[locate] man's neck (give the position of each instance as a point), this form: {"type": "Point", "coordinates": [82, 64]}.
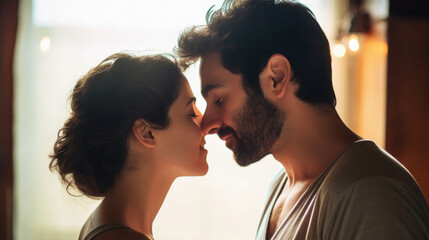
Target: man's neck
{"type": "Point", "coordinates": [312, 138]}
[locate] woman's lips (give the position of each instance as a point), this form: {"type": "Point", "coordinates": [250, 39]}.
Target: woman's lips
{"type": "Point", "coordinates": [202, 145]}
{"type": "Point", "coordinates": [203, 150]}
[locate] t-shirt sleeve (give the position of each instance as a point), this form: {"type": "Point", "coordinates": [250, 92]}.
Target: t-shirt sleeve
{"type": "Point", "coordinates": [377, 208]}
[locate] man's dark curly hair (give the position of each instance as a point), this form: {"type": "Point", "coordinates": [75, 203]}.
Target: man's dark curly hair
{"type": "Point", "coordinates": [248, 32]}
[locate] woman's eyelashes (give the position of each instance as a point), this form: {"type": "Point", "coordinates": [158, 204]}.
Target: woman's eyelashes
{"type": "Point", "coordinates": [194, 115]}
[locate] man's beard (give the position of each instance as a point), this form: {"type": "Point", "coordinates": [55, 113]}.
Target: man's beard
{"type": "Point", "coordinates": [258, 126]}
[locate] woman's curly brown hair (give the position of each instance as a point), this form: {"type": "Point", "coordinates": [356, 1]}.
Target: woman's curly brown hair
{"type": "Point", "coordinates": [91, 147]}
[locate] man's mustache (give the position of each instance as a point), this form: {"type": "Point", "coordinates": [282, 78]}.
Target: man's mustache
{"type": "Point", "coordinates": [225, 131]}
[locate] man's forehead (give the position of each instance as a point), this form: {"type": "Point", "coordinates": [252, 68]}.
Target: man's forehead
{"type": "Point", "coordinates": [210, 70]}
{"type": "Point", "coordinates": [209, 81]}
{"type": "Point", "coordinates": [210, 62]}
{"type": "Point", "coordinates": [215, 76]}
{"type": "Point", "coordinates": [206, 88]}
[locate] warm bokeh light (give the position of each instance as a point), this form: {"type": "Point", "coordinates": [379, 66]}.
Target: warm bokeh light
{"type": "Point", "coordinates": [384, 48]}
{"type": "Point", "coordinates": [339, 50]}
{"type": "Point", "coordinates": [353, 43]}
{"type": "Point", "coordinates": [45, 44]}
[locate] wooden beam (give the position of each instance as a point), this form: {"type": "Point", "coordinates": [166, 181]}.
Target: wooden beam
{"type": "Point", "coordinates": [8, 29]}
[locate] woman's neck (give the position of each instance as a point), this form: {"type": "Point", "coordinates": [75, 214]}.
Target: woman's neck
{"type": "Point", "coordinates": [136, 197]}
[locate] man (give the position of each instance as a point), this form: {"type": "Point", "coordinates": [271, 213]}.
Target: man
{"type": "Point", "coordinates": [266, 76]}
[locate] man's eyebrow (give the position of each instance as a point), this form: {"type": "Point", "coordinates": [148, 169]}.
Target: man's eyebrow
{"type": "Point", "coordinates": [207, 88]}
{"type": "Point", "coordinates": [193, 99]}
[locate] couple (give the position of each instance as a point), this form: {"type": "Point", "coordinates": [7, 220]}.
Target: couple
{"type": "Point", "coordinates": [266, 76]}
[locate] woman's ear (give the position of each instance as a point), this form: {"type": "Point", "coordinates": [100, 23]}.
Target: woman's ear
{"type": "Point", "coordinates": [275, 77]}
{"type": "Point", "coordinates": [143, 133]}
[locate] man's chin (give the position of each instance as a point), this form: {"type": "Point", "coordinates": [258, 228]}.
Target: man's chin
{"type": "Point", "coordinates": [244, 160]}
{"type": "Point", "coordinates": [230, 143]}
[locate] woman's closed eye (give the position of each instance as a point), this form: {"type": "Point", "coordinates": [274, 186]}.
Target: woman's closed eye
{"type": "Point", "coordinates": [194, 115]}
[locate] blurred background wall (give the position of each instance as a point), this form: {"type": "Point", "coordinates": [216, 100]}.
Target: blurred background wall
{"type": "Point", "coordinates": [380, 70]}
{"type": "Point", "coordinates": [407, 132]}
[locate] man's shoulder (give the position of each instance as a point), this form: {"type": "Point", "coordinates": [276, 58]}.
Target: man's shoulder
{"type": "Point", "coordinates": [367, 177]}
{"type": "Point", "coordinates": [367, 186]}
{"type": "Point", "coordinates": [364, 162]}
{"type": "Point", "coordinates": [369, 201]}
{"type": "Point", "coordinates": [375, 188]}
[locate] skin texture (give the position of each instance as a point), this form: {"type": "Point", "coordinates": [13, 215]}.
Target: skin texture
{"type": "Point", "coordinates": [249, 130]}
{"type": "Point", "coordinates": [305, 127]}
{"type": "Point", "coordinates": [155, 159]}
{"type": "Point", "coordinates": [180, 143]}
{"type": "Point", "coordinates": [259, 124]}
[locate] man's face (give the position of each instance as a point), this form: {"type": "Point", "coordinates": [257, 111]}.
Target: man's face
{"type": "Point", "coordinates": [250, 125]}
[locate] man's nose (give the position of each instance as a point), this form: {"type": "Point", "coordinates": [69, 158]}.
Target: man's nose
{"type": "Point", "coordinates": [211, 122]}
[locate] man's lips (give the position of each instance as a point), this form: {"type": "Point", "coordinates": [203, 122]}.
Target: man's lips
{"type": "Point", "coordinates": [225, 133]}
{"type": "Point", "coordinates": [226, 137]}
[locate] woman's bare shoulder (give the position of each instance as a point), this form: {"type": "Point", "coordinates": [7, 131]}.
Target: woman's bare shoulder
{"type": "Point", "coordinates": [120, 233]}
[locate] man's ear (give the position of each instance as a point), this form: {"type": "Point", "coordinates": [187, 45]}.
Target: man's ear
{"type": "Point", "coordinates": [143, 133]}
{"type": "Point", "coordinates": [275, 77]}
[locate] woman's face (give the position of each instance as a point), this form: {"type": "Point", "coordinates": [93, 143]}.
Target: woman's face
{"type": "Point", "coordinates": [181, 144]}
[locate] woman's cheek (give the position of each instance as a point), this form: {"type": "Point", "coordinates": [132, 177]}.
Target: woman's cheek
{"type": "Point", "coordinates": [183, 143]}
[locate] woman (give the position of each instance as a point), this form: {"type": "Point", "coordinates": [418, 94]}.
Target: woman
{"type": "Point", "coordinates": [134, 128]}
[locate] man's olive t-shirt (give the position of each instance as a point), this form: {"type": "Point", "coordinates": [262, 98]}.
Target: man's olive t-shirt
{"type": "Point", "coordinates": [364, 194]}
